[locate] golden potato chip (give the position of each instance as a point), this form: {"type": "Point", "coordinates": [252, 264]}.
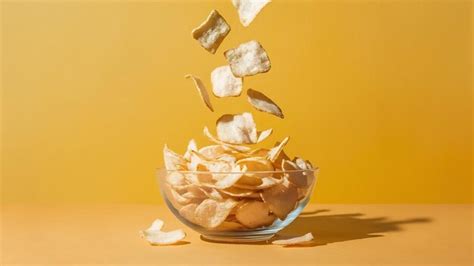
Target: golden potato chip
{"type": "Point", "coordinates": [249, 9]}
{"type": "Point", "coordinates": [180, 199]}
{"type": "Point", "coordinates": [281, 199]}
{"type": "Point", "coordinates": [175, 178]}
{"type": "Point", "coordinates": [256, 164]}
{"type": "Point", "coordinates": [188, 212]}
{"type": "Point", "coordinates": [238, 148]}
{"type": "Point", "coordinates": [211, 213]}
{"type": "Point", "coordinates": [297, 178]}
{"type": "Point", "coordinates": [275, 151]}
{"type": "Point", "coordinates": [237, 129]}
{"type": "Point", "coordinates": [240, 192]}
{"type": "Point", "coordinates": [254, 214]}
{"type": "Point", "coordinates": [212, 31]}
{"type": "Point", "coordinates": [295, 240]}
{"type": "Point", "coordinates": [202, 90]}
{"type": "Point", "coordinates": [265, 182]}
{"type": "Point", "coordinates": [260, 152]}
{"type": "Point", "coordinates": [248, 59]}
{"type": "Point", "coordinates": [192, 146]}
{"type": "Point", "coordinates": [230, 179]}
{"type": "Point", "coordinates": [262, 103]}
{"type": "Point", "coordinates": [229, 226]}
{"type": "Point", "coordinates": [224, 83]}
{"type": "Point", "coordinates": [212, 151]}
{"type": "Point", "coordinates": [263, 135]}
{"type": "Point", "coordinates": [155, 236]}
{"type": "Point", "coordinates": [173, 161]}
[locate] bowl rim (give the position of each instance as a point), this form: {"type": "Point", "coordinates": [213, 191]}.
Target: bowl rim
{"type": "Point", "coordinates": [314, 170]}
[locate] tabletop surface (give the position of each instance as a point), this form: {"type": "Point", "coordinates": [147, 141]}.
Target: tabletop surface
{"type": "Point", "coordinates": [344, 234]}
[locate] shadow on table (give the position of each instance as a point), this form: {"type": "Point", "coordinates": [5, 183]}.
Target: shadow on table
{"type": "Point", "coordinates": [343, 227]}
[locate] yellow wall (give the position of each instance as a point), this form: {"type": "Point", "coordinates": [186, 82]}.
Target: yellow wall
{"type": "Point", "coordinates": [377, 94]}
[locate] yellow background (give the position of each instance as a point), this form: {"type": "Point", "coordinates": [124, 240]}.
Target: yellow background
{"type": "Point", "coordinates": [378, 94]}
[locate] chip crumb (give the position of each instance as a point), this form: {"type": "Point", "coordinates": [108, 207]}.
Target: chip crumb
{"type": "Point", "coordinates": [300, 240]}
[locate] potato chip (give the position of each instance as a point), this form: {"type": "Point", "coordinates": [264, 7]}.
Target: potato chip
{"type": "Point", "coordinates": [304, 239]}
{"type": "Point", "coordinates": [212, 31]}
{"type": "Point", "coordinates": [275, 151]}
{"type": "Point", "coordinates": [238, 148]}
{"type": "Point", "coordinates": [231, 178]}
{"type": "Point", "coordinates": [265, 182]}
{"type": "Point", "coordinates": [229, 226]}
{"type": "Point", "coordinates": [281, 199]}
{"type": "Point", "coordinates": [237, 129]}
{"type": "Point", "coordinates": [212, 151]}
{"type": "Point", "coordinates": [192, 146]}
{"type": "Point", "coordinates": [175, 178]}
{"type": "Point", "coordinates": [180, 199]}
{"type": "Point", "coordinates": [202, 90]}
{"type": "Point", "coordinates": [224, 83]}
{"type": "Point", "coordinates": [173, 161]}
{"type": "Point", "coordinates": [262, 103]}
{"type": "Point", "coordinates": [213, 193]}
{"type": "Point", "coordinates": [263, 135]}
{"type": "Point", "coordinates": [254, 214]}
{"type": "Point", "coordinates": [211, 213]}
{"type": "Point", "coordinates": [155, 236]}
{"type": "Point", "coordinates": [249, 9]}
{"type": "Point", "coordinates": [228, 158]}
{"type": "Point", "coordinates": [260, 152]}
{"type": "Point", "coordinates": [188, 212]}
{"type": "Point", "coordinates": [297, 178]}
{"type": "Point", "coordinates": [248, 59]}
{"type": "Point", "coordinates": [240, 192]}
{"type": "Point", "coordinates": [256, 164]}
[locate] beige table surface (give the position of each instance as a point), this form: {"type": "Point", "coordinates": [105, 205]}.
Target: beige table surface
{"type": "Point", "coordinates": [345, 234]}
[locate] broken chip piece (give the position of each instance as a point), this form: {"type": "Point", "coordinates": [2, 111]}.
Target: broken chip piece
{"type": "Point", "coordinates": [224, 83]}
{"type": "Point", "coordinates": [248, 59]}
{"type": "Point", "coordinates": [155, 236]}
{"type": "Point", "coordinates": [262, 103]}
{"type": "Point", "coordinates": [249, 9]}
{"type": "Point", "coordinates": [300, 240]}
{"type": "Point", "coordinates": [237, 129]}
{"type": "Point", "coordinates": [202, 90]}
{"type": "Point", "coordinates": [211, 32]}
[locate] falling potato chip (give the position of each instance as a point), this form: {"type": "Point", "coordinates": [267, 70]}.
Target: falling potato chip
{"type": "Point", "coordinates": [173, 161]}
{"type": "Point", "coordinates": [237, 129]}
{"type": "Point", "coordinates": [211, 213]}
{"type": "Point", "coordinates": [297, 178]}
{"type": "Point", "coordinates": [254, 214]}
{"type": "Point", "coordinates": [275, 151]}
{"type": "Point", "coordinates": [281, 199]}
{"type": "Point", "coordinates": [248, 59]}
{"type": "Point", "coordinates": [238, 148]}
{"type": "Point", "coordinates": [202, 90]}
{"type": "Point", "coordinates": [212, 31]}
{"type": "Point", "coordinates": [155, 236]}
{"type": "Point", "coordinates": [295, 240]}
{"type": "Point", "coordinates": [224, 83]}
{"type": "Point", "coordinates": [262, 103]}
{"type": "Point", "coordinates": [249, 9]}
{"type": "Point", "coordinates": [263, 135]}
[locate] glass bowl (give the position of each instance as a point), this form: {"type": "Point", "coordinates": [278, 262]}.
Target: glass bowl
{"type": "Point", "coordinates": [254, 209]}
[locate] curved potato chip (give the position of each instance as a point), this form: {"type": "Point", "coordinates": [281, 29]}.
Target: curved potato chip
{"type": "Point", "coordinates": [212, 31]}
{"type": "Point", "coordinates": [224, 83]}
{"type": "Point", "coordinates": [248, 59]}
{"type": "Point", "coordinates": [260, 152]}
{"type": "Point", "coordinates": [249, 9]}
{"type": "Point", "coordinates": [173, 161]}
{"type": "Point", "coordinates": [266, 182]}
{"type": "Point", "coordinates": [231, 178]}
{"type": "Point", "coordinates": [192, 146]}
{"type": "Point", "coordinates": [238, 148]}
{"type": "Point", "coordinates": [263, 135]}
{"type": "Point", "coordinates": [275, 151]}
{"type": "Point", "coordinates": [155, 236]}
{"type": "Point", "coordinates": [175, 178]}
{"type": "Point", "coordinates": [212, 151]}
{"type": "Point", "coordinates": [254, 214]}
{"type": "Point", "coordinates": [188, 212]}
{"type": "Point", "coordinates": [211, 213]}
{"type": "Point", "coordinates": [237, 129]}
{"type": "Point", "coordinates": [240, 192]}
{"type": "Point", "coordinates": [256, 164]}
{"type": "Point", "coordinates": [295, 240]}
{"type": "Point", "coordinates": [281, 199]}
{"type": "Point", "coordinates": [202, 90]}
{"type": "Point", "coordinates": [180, 199]}
{"type": "Point", "coordinates": [262, 103]}
{"type": "Point", "coordinates": [297, 178]}
{"type": "Point", "coordinates": [229, 226]}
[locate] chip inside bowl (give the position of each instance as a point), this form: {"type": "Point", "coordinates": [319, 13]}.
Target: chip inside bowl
{"type": "Point", "coordinates": [212, 31]}
{"type": "Point", "coordinates": [248, 59]}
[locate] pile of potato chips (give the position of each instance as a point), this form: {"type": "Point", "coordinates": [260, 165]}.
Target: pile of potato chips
{"type": "Point", "coordinates": [231, 185]}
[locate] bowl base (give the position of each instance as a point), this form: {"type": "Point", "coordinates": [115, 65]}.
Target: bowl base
{"type": "Point", "coordinates": [237, 238]}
